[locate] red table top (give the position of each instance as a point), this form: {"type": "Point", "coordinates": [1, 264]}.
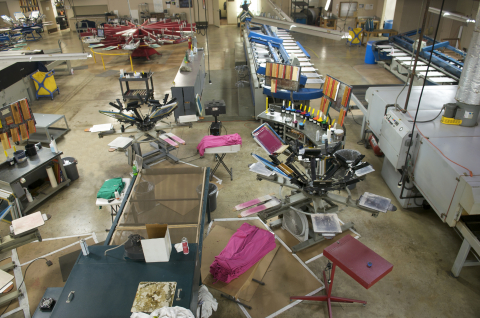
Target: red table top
{"type": "Point", "coordinates": [353, 257]}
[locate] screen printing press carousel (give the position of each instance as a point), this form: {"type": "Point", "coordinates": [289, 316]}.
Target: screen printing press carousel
{"type": "Point", "coordinates": [148, 129]}
{"type": "Point", "coordinates": [312, 193]}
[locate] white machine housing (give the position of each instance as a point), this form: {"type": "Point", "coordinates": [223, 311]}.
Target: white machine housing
{"type": "Point", "coordinates": [394, 138]}
{"type": "Point", "coordinates": [444, 158]}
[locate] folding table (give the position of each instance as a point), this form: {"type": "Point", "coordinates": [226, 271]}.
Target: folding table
{"type": "Point", "coordinates": [358, 261]}
{"type": "Point", "coordinates": [114, 204]}
{"type": "Point", "coordinates": [220, 153]}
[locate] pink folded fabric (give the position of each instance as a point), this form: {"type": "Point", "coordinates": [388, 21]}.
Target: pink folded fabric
{"type": "Point", "coordinates": [218, 141]}
{"type": "Point", "coordinates": [244, 249]}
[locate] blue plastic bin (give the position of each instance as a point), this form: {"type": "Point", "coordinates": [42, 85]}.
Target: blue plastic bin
{"type": "Point", "coordinates": [388, 26]}
{"type": "Point", "coordinates": [369, 56]}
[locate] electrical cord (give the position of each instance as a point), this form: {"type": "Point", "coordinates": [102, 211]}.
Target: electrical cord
{"type": "Point", "coordinates": [110, 249]}
{"type": "Point", "coordinates": [354, 118]}
{"type": "Point", "coordinates": [49, 263]}
{"type": "Point", "coordinates": [411, 60]}
{"type": "Point", "coordinates": [418, 106]}
{"type": "Point", "coordinates": [426, 121]}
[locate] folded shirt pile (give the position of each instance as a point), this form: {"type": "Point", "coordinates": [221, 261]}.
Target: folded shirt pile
{"type": "Point", "coordinates": [218, 141]}
{"type": "Point", "coordinates": [244, 249]}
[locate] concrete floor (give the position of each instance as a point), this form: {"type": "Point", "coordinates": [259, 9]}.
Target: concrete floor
{"type": "Point", "coordinates": [421, 247]}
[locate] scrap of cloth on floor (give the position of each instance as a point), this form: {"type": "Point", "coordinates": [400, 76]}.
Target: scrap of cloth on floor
{"type": "Point", "coordinates": [218, 141]}
{"type": "Point", "coordinates": [244, 249]}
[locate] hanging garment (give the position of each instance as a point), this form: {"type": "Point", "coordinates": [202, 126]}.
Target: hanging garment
{"type": "Point", "coordinates": [244, 249]}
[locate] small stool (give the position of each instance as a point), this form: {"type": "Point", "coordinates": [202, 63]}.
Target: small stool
{"type": "Point", "coordinates": [355, 259]}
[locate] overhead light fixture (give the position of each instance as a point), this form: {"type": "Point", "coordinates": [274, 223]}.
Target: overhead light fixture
{"type": "Point", "coordinates": [300, 28]}
{"type": "Point", "coordinates": [451, 15]}
{"type": "Point", "coordinates": [328, 5]}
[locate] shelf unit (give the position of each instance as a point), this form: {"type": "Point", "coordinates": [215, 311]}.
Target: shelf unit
{"type": "Point", "coordinates": [296, 9]}
{"type": "Point", "coordinates": [29, 5]}
{"type": "Point", "coordinates": [129, 93]}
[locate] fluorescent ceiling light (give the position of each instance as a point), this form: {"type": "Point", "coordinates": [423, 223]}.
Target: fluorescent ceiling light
{"type": "Point", "coordinates": [451, 15]}
{"type": "Point", "coordinates": [328, 5]}
{"type": "Point", "coordinates": [300, 28]}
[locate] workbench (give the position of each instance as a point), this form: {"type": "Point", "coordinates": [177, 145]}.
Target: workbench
{"type": "Point", "coordinates": [187, 85]}
{"type": "Point", "coordinates": [105, 286]}
{"type": "Point", "coordinates": [45, 132]}
{"type": "Point", "coordinates": [31, 170]}
{"type": "Point", "coordinates": [390, 33]}
{"type": "Point", "coordinates": [309, 132]}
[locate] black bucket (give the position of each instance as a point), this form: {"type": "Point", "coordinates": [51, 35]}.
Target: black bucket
{"type": "Point", "coordinates": [71, 169]}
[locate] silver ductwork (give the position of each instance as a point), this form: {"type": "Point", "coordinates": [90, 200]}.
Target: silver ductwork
{"type": "Point", "coordinates": [468, 92]}
{"type": "Point", "coordinates": [469, 87]}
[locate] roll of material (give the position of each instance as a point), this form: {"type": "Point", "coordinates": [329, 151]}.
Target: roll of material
{"type": "Point", "coordinates": [51, 177]}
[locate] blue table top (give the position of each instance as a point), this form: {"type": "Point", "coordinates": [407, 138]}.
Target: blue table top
{"type": "Point", "coordinates": [105, 286]}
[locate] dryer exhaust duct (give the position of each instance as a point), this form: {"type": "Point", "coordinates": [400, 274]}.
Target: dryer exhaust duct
{"type": "Point", "coordinates": [467, 107]}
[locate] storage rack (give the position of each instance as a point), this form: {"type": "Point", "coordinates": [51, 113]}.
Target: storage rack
{"type": "Point", "coordinates": [131, 93]}
{"type": "Point", "coordinates": [29, 5]}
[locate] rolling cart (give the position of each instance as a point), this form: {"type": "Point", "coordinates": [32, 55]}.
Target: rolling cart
{"type": "Point", "coordinates": [130, 93]}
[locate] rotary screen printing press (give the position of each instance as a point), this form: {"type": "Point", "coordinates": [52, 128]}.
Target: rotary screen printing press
{"type": "Point", "coordinates": [146, 129]}
{"type": "Point", "coordinates": [312, 192]}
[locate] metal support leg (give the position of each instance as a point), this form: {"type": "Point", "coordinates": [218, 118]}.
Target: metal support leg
{"type": "Point", "coordinates": [461, 257]}
{"type": "Point", "coordinates": [220, 161]}
{"type": "Point", "coordinates": [236, 301]}
{"type": "Point", "coordinates": [329, 298]}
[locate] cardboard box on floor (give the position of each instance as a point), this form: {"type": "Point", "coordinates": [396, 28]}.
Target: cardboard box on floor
{"type": "Point", "coordinates": [158, 246]}
{"type": "Point", "coordinates": [284, 275]}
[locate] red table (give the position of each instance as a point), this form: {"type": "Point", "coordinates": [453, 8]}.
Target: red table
{"type": "Point", "coordinates": [358, 261]}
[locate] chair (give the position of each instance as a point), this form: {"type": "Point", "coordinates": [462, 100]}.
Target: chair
{"type": "Point", "coordinates": [45, 84]}
{"type": "Point", "coordinates": [354, 36]}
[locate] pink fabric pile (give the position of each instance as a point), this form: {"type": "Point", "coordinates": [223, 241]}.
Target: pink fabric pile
{"type": "Point", "coordinates": [218, 141]}
{"type": "Point", "coordinates": [244, 249]}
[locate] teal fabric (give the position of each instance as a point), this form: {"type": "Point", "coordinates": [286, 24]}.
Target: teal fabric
{"type": "Point", "coordinates": [107, 191]}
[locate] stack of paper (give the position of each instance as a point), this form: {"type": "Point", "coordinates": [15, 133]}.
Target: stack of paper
{"type": "Point", "coordinates": [102, 127]}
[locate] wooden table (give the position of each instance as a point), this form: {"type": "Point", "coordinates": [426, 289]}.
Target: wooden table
{"type": "Point", "coordinates": [328, 23]}
{"type": "Point", "coordinates": [360, 23]}
{"type": "Point", "coordinates": [369, 33]}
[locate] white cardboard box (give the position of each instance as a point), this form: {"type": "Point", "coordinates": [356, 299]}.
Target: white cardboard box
{"type": "Point", "coordinates": [158, 247]}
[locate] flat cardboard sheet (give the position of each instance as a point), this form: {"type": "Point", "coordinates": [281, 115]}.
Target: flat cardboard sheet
{"type": "Point", "coordinates": [284, 277]}
{"type": "Point", "coordinates": [241, 287]}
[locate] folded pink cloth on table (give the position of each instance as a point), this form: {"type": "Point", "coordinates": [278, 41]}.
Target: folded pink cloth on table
{"type": "Point", "coordinates": [244, 249]}
{"type": "Point", "coordinates": [218, 141]}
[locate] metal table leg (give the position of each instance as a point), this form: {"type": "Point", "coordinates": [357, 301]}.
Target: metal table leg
{"type": "Point", "coordinates": [461, 259]}
{"type": "Point", "coordinates": [220, 161]}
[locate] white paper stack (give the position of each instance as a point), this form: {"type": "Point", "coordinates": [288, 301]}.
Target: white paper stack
{"type": "Point", "coordinates": [102, 127]}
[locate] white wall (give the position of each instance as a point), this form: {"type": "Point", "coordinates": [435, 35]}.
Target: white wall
{"type": "Point", "coordinates": [13, 6]}
{"type": "Point", "coordinates": [389, 9]}
{"type": "Point", "coordinates": [122, 7]}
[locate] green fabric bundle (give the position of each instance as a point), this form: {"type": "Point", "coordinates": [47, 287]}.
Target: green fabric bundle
{"type": "Point", "coordinates": [107, 191]}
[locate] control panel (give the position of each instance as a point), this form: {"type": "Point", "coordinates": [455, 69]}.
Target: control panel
{"type": "Point", "coordinates": [394, 137]}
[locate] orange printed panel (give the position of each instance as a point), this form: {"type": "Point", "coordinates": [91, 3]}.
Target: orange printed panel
{"type": "Point", "coordinates": [31, 126]}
